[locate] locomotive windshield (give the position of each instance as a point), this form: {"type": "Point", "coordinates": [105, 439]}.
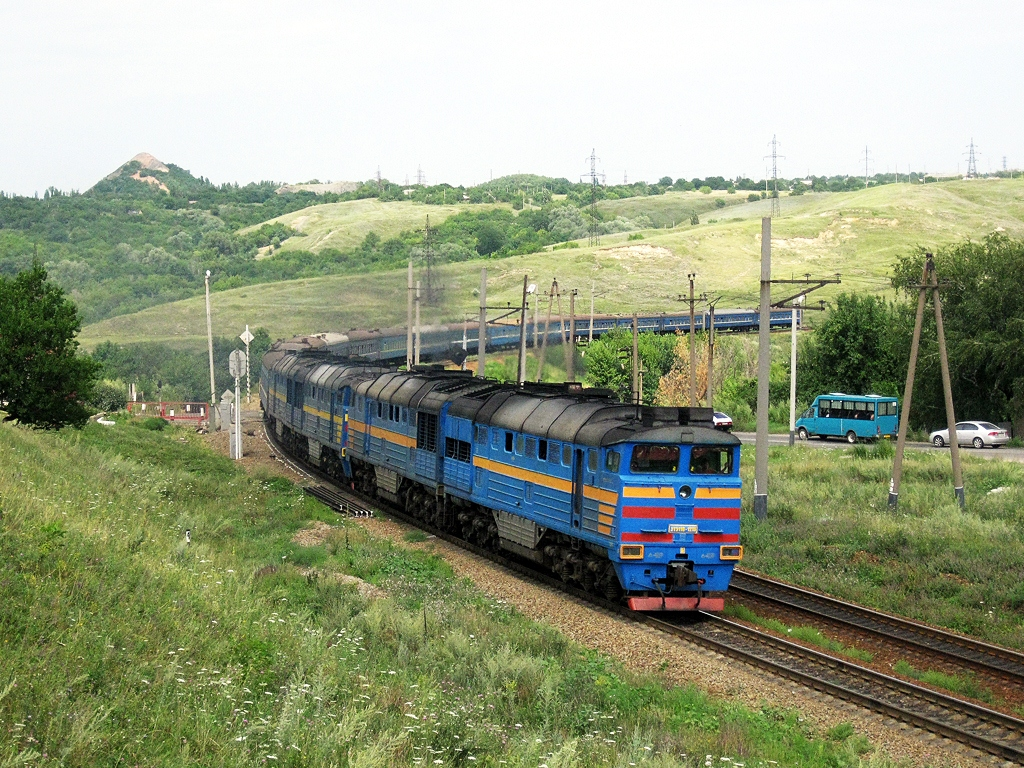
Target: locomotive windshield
{"type": "Point", "coordinates": [705, 460]}
{"type": "Point", "coordinates": [660, 459]}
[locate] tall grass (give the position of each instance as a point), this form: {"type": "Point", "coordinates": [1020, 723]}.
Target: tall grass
{"type": "Point", "coordinates": [120, 643]}
{"type": "Point", "coordinates": [829, 527]}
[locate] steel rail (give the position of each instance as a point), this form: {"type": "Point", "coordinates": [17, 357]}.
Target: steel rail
{"type": "Point", "coordinates": [1010, 746]}
{"type": "Point", "coordinates": [984, 656]}
{"type": "Point", "coordinates": [957, 707]}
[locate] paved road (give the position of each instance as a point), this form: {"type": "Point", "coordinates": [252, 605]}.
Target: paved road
{"type": "Point", "coordinates": [1006, 454]}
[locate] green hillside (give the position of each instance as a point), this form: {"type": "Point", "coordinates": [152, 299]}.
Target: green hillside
{"type": "Point", "coordinates": [856, 234]}
{"type": "Point", "coordinates": [346, 224]}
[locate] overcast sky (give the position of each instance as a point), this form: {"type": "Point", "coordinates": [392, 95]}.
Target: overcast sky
{"type": "Point", "coordinates": [332, 90]}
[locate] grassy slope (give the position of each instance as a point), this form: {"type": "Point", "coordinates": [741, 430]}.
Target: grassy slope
{"type": "Point", "coordinates": [672, 208]}
{"type": "Point", "coordinates": [829, 527]}
{"type": "Point", "coordinates": [856, 234]}
{"type": "Point", "coordinates": [122, 645]}
{"type": "Point", "coordinates": [344, 225]}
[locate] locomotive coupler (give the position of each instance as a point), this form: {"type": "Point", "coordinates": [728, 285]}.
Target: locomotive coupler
{"type": "Point", "coordinates": [678, 575]}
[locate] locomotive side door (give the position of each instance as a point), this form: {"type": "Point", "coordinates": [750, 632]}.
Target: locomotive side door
{"type": "Point", "coordinates": [577, 488]}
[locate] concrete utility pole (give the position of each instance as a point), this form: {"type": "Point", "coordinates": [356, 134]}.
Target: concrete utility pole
{"type": "Point", "coordinates": [637, 395]}
{"type": "Point", "coordinates": [481, 355]}
{"type": "Point", "coordinates": [763, 372]}
{"type": "Point", "coordinates": [209, 341]}
{"type": "Point", "coordinates": [521, 375]}
{"type": "Point", "coordinates": [711, 354]}
{"type": "Point", "coordinates": [408, 314]}
{"type": "Point", "coordinates": [547, 329]}
{"type": "Point", "coordinates": [792, 378]}
{"type": "Point", "coordinates": [793, 302]}
{"type": "Point", "coordinates": [416, 340]}
{"type": "Point", "coordinates": [570, 361]}
{"type": "Point", "coordinates": [590, 331]}
{"type": "Point", "coordinates": [693, 350]}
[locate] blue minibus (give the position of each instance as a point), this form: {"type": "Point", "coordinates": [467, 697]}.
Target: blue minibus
{"type": "Point", "coordinates": [855, 417]}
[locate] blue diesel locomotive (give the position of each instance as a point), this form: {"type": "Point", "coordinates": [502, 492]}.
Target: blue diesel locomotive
{"type": "Point", "coordinates": [633, 503]}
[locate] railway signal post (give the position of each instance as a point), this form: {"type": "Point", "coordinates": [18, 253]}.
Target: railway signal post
{"type": "Point", "coordinates": [247, 337]}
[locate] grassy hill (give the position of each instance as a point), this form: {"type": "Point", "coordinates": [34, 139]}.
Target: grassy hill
{"type": "Point", "coordinates": [856, 234]}
{"type": "Point", "coordinates": [124, 644]}
{"type": "Point", "coordinates": [345, 224]}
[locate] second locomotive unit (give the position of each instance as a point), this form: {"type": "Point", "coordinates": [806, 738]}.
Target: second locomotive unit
{"type": "Point", "coordinates": [628, 502]}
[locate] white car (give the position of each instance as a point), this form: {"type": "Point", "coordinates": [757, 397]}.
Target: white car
{"type": "Point", "coordinates": [976, 433]}
{"type": "Point", "coordinates": [722, 421]}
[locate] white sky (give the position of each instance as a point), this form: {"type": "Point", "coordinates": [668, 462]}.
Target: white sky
{"type": "Point", "coordinates": [330, 90]}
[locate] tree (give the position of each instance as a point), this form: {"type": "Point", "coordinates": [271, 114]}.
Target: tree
{"type": "Point", "coordinates": [43, 382]}
{"type": "Point", "coordinates": [609, 362]}
{"type": "Point", "coordinates": [856, 350]}
{"type": "Point", "coordinates": [983, 317]}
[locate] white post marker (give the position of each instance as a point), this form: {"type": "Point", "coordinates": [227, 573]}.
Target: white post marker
{"type": "Point", "coordinates": [237, 362]}
{"type": "Point", "coordinates": [246, 336]}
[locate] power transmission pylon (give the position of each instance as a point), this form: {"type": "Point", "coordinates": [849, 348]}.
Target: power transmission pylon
{"type": "Point", "coordinates": [972, 162]}
{"type": "Point", "coordinates": [775, 156]}
{"type": "Point", "coordinates": [867, 156]}
{"type": "Point", "coordinates": [595, 236]}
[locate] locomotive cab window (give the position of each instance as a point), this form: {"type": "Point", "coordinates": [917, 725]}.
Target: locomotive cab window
{"type": "Point", "coordinates": [520, 444]}
{"type": "Point", "coordinates": [508, 442]}
{"type": "Point", "coordinates": [707, 460]}
{"type": "Point", "coordinates": [567, 455]}
{"type": "Point", "coordinates": [659, 459]}
{"type": "Point", "coordinates": [542, 450]}
{"type": "Point", "coordinates": [611, 461]}
{"type": "Point", "coordinates": [592, 460]}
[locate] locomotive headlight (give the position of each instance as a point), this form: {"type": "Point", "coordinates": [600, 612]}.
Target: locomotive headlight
{"type": "Point", "coordinates": [730, 553]}
{"type": "Point", "coordinates": [685, 492]}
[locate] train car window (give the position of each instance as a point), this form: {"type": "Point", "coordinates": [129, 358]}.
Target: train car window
{"type": "Point", "coordinates": [481, 434]}
{"type": "Point", "coordinates": [459, 450]}
{"type": "Point", "coordinates": [520, 444]}
{"type": "Point", "coordinates": [592, 460]}
{"type": "Point", "coordinates": [531, 447]}
{"type": "Point", "coordinates": [380, 410]}
{"type": "Point", "coordinates": [567, 455]}
{"type": "Point", "coordinates": [508, 442]}
{"type": "Point", "coordinates": [707, 460]}
{"type": "Point", "coordinates": [426, 432]}
{"type": "Point", "coordinates": [542, 450]}
{"type": "Point", "coordinates": [661, 459]}
{"type": "Point", "coordinates": [611, 461]}
{"type": "Point", "coordinates": [554, 452]}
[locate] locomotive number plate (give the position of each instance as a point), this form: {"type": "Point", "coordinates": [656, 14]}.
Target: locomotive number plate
{"type": "Point", "coordinates": [682, 529]}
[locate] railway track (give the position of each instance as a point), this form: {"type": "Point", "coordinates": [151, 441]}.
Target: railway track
{"type": "Point", "coordinates": [962, 721]}
{"type": "Point", "coordinates": [993, 661]}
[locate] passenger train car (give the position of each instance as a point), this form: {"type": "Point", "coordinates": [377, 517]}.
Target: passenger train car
{"type": "Point", "coordinates": [457, 340]}
{"type": "Point", "coordinates": [633, 503]}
